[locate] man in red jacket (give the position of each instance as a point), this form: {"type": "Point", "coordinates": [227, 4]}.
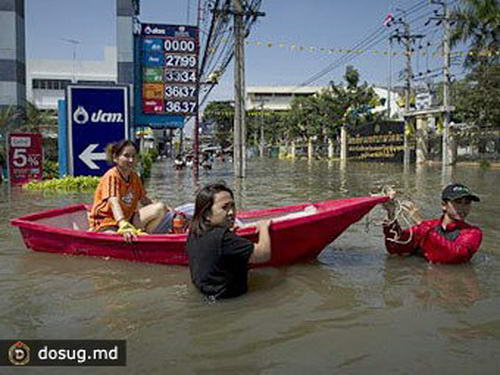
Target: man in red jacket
{"type": "Point", "coordinates": [446, 240]}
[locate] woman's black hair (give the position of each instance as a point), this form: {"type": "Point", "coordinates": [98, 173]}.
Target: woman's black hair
{"type": "Point", "coordinates": [203, 207]}
{"type": "Point", "coordinates": [114, 149]}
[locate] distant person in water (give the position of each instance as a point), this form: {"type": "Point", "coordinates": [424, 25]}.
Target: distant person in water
{"type": "Point", "coordinates": [179, 162]}
{"type": "Point", "coordinates": [218, 258]}
{"type": "Point", "coordinates": [206, 163]}
{"type": "Point", "coordinates": [448, 239]}
{"type": "Point", "coordinates": [120, 193]}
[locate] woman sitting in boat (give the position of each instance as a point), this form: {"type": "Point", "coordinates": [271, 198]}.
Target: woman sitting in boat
{"type": "Point", "coordinates": [218, 258]}
{"type": "Point", "coordinates": [448, 239]}
{"type": "Point", "coordinates": [119, 194]}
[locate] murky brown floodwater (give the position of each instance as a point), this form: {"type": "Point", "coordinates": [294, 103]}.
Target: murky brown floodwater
{"type": "Point", "coordinates": [354, 310]}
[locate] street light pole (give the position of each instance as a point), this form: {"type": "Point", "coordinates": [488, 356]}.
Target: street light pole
{"type": "Point", "coordinates": [75, 43]}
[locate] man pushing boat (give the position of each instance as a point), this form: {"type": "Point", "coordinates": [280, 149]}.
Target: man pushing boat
{"type": "Point", "coordinates": [448, 239]}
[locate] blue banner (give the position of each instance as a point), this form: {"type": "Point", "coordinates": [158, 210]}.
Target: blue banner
{"type": "Point", "coordinates": [154, 45]}
{"type": "Point", "coordinates": [97, 116]}
{"type": "Point", "coordinates": [153, 59]}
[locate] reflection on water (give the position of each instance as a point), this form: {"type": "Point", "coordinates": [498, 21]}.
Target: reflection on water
{"type": "Point", "coordinates": [352, 310]}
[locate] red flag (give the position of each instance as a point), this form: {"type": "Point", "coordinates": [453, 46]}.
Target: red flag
{"type": "Point", "coordinates": [388, 19]}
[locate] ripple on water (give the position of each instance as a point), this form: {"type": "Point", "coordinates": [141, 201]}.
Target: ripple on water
{"type": "Point", "coordinates": [351, 309]}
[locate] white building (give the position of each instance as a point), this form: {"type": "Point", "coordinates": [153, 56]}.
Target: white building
{"type": "Point", "coordinates": [275, 98]}
{"type": "Point", "coordinates": [46, 80]}
{"type": "Point", "coordinates": [279, 98]}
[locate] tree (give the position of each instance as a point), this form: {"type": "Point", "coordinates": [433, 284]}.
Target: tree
{"type": "Point", "coordinates": [323, 114]}
{"type": "Point", "coordinates": [350, 105]}
{"type": "Point", "coordinates": [478, 24]}
{"type": "Point", "coordinates": [221, 115]}
{"type": "Point", "coordinates": [477, 96]}
{"type": "Point", "coordinates": [8, 117]}
{"type": "Point", "coordinates": [35, 118]}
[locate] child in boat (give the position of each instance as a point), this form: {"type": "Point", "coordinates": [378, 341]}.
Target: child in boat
{"type": "Point", "coordinates": [118, 195]}
{"type": "Point", "coordinates": [448, 239]}
{"type": "Point", "coordinates": [218, 258]}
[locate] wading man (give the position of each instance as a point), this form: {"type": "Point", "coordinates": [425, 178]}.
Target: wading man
{"type": "Point", "coordinates": [448, 239]}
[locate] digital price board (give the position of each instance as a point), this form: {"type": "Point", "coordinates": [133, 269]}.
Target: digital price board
{"type": "Point", "coordinates": [170, 58]}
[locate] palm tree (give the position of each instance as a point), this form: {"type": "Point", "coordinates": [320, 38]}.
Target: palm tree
{"type": "Point", "coordinates": [8, 116]}
{"type": "Point", "coordinates": [478, 24]}
{"type": "Point", "coordinates": [35, 118]}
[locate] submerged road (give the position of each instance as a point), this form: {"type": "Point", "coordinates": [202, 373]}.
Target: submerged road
{"type": "Point", "coordinates": [353, 310]}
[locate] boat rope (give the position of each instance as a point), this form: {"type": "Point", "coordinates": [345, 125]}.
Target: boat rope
{"type": "Point", "coordinates": [404, 212]}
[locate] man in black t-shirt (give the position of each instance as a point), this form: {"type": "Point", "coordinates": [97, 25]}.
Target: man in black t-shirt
{"type": "Point", "coordinates": [218, 258]}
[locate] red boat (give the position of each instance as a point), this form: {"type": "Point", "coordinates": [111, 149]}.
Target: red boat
{"type": "Point", "coordinates": [298, 232]}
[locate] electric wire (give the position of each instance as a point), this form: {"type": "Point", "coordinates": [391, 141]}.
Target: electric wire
{"type": "Point", "coordinates": [372, 39]}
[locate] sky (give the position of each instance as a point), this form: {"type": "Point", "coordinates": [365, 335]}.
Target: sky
{"type": "Point", "coordinates": [310, 24]}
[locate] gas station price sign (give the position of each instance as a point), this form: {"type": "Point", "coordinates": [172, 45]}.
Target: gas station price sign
{"type": "Point", "coordinates": [170, 58]}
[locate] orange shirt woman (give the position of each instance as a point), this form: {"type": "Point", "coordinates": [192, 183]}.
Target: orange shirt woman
{"type": "Point", "coordinates": [128, 191]}
{"type": "Point", "coordinates": [120, 194]}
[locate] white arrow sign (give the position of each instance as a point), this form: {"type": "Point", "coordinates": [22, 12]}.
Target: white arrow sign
{"type": "Point", "coordinates": [88, 157]}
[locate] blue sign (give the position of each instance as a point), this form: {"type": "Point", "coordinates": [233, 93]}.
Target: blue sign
{"type": "Point", "coordinates": [97, 116]}
{"type": "Point", "coordinates": [154, 59]}
{"type": "Point", "coordinates": [152, 45]}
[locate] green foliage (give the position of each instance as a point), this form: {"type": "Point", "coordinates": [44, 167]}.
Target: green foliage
{"type": "Point", "coordinates": [153, 153]}
{"type": "Point", "coordinates": [146, 160]}
{"type": "Point", "coordinates": [30, 119]}
{"type": "Point", "coordinates": [221, 115]}
{"type": "Point", "coordinates": [145, 164]}
{"type": "Point", "coordinates": [476, 97]}
{"type": "Point", "coordinates": [484, 164]}
{"type": "Point", "coordinates": [34, 118]}
{"type": "Point", "coordinates": [50, 169]}
{"type": "Point", "coordinates": [351, 77]}
{"type": "Point", "coordinates": [69, 183]}
{"type": "Point", "coordinates": [320, 115]}
{"type": "Point", "coordinates": [8, 117]}
{"type": "Point", "coordinates": [477, 22]}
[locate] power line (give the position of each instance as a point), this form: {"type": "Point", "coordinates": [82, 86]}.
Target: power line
{"type": "Point", "coordinates": [375, 36]}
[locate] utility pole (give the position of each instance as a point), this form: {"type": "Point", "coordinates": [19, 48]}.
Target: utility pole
{"type": "Point", "coordinates": [239, 137]}
{"type": "Point", "coordinates": [261, 148]}
{"type": "Point", "coordinates": [239, 141]}
{"type": "Point", "coordinates": [447, 155]}
{"type": "Point", "coordinates": [390, 80]}
{"type": "Point", "coordinates": [406, 157]}
{"type": "Point", "coordinates": [407, 38]}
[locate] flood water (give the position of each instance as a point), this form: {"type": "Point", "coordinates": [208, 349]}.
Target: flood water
{"type": "Point", "coordinates": [353, 310]}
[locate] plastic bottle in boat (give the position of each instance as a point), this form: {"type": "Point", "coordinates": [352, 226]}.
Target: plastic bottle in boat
{"type": "Point", "coordinates": [179, 223]}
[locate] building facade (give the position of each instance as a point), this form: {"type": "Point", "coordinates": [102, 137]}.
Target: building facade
{"type": "Point", "coordinates": [46, 80]}
{"type": "Point", "coordinates": [279, 98]}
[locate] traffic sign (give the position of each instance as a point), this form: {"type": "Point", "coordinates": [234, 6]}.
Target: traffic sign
{"type": "Point", "coordinates": [97, 116]}
{"type": "Point", "coordinates": [25, 156]}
